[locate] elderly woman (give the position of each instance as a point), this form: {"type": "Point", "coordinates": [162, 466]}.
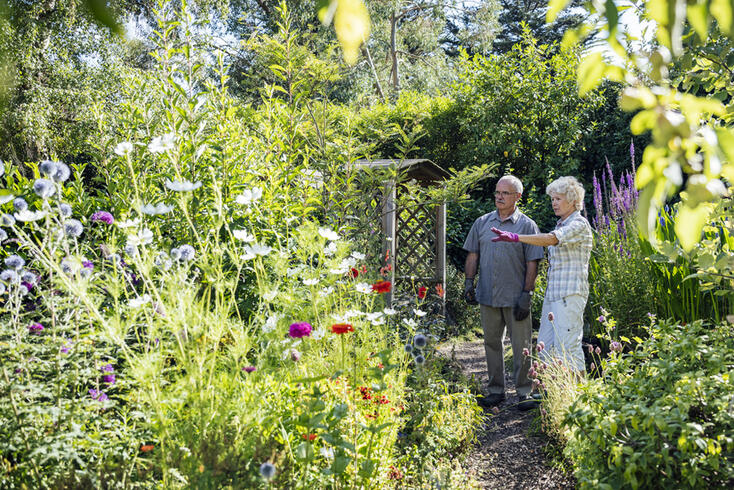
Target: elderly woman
{"type": "Point", "coordinates": [569, 247]}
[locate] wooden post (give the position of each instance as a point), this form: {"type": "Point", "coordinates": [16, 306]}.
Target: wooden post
{"type": "Point", "coordinates": [389, 221]}
{"type": "Point", "coordinates": [441, 252]}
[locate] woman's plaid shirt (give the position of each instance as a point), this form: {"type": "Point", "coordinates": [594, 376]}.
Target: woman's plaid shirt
{"type": "Point", "coordinates": [569, 260]}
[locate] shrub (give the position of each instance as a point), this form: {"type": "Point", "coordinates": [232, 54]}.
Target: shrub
{"type": "Point", "coordinates": [659, 416]}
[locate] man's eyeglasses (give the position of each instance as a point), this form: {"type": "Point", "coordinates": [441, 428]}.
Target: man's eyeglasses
{"type": "Point", "coordinates": [504, 193]}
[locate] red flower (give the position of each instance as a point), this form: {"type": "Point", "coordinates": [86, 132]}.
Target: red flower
{"type": "Point", "coordinates": [422, 292]}
{"type": "Point", "coordinates": [440, 291]}
{"type": "Point", "coordinates": [146, 447]}
{"type": "Point", "coordinates": [309, 437]}
{"type": "Point", "coordinates": [382, 287]}
{"type": "Point", "coordinates": [353, 273]}
{"type": "Point", "coordinates": [340, 328]}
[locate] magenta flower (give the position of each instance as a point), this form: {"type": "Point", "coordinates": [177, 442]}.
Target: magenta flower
{"type": "Point", "coordinates": [109, 379]}
{"type": "Point", "coordinates": [526, 352]}
{"type": "Point", "coordinates": [107, 368]}
{"type": "Point", "coordinates": [103, 217]}
{"type": "Point", "coordinates": [299, 330]}
{"type": "Point", "coordinates": [551, 316]}
{"type": "Point", "coordinates": [35, 328]}
{"type": "Point", "coordinates": [65, 349]}
{"type": "Point", "coordinates": [249, 369]}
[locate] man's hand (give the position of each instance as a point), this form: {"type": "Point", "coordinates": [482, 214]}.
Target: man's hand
{"type": "Point", "coordinates": [505, 236]}
{"type": "Point", "coordinates": [469, 294]}
{"type": "Point", "coordinates": [522, 307]}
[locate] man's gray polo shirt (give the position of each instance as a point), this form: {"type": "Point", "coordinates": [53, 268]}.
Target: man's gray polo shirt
{"type": "Point", "coordinates": [502, 265]}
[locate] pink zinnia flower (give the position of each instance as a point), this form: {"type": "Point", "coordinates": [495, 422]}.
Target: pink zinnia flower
{"type": "Point", "coordinates": [35, 328]}
{"type": "Point", "coordinates": [299, 329]}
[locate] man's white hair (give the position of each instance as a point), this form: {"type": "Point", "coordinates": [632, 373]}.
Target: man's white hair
{"type": "Point", "coordinates": [514, 182]}
{"type": "Point", "coordinates": [570, 188]}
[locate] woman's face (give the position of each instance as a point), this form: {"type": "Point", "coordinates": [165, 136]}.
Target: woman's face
{"type": "Point", "coordinates": [561, 207]}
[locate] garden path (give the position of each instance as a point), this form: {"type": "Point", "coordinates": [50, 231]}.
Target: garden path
{"type": "Point", "coordinates": [506, 456]}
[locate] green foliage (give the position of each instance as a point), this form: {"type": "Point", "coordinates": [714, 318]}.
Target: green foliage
{"type": "Point", "coordinates": [660, 416]}
{"type": "Point", "coordinates": [687, 116]}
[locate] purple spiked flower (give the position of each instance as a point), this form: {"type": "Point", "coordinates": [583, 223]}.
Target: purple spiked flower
{"type": "Point", "coordinates": [103, 217]}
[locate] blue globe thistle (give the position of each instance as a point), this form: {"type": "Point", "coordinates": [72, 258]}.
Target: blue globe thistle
{"type": "Point", "coordinates": [15, 262]}
{"type": "Point", "coordinates": [187, 252]}
{"type": "Point", "coordinates": [419, 359]}
{"type": "Point", "coordinates": [175, 254]}
{"type": "Point", "coordinates": [131, 250]}
{"type": "Point", "coordinates": [44, 188]}
{"type": "Point", "coordinates": [9, 276]}
{"type": "Point", "coordinates": [29, 277]}
{"type": "Point", "coordinates": [66, 267]}
{"type": "Point", "coordinates": [7, 220]}
{"type": "Point", "coordinates": [62, 172]}
{"type": "Point", "coordinates": [65, 210]}
{"type": "Point", "coordinates": [23, 289]}
{"type": "Point", "coordinates": [20, 204]}
{"type": "Point", "coordinates": [420, 341]}
{"type": "Point", "coordinates": [267, 470]}
{"type": "Point", "coordinates": [408, 348]}
{"type": "Point", "coordinates": [47, 167]}
{"type": "Point", "coordinates": [73, 227]}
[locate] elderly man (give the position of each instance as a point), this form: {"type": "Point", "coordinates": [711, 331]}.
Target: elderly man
{"type": "Point", "coordinates": [506, 283]}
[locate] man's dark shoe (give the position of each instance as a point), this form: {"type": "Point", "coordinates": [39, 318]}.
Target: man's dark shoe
{"type": "Point", "coordinates": [491, 400]}
{"type": "Point", "coordinates": [527, 402]}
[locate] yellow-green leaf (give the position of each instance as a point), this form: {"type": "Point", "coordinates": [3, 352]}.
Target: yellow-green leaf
{"type": "Point", "coordinates": [698, 16]}
{"type": "Point", "coordinates": [591, 71]}
{"type": "Point", "coordinates": [554, 8]}
{"type": "Point", "coordinates": [352, 25]}
{"type": "Point", "coordinates": [689, 222]}
{"type": "Point", "coordinates": [722, 10]}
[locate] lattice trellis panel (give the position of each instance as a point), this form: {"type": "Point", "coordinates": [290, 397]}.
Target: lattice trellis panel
{"type": "Point", "coordinates": [416, 252]}
{"type": "Point", "coordinates": [366, 224]}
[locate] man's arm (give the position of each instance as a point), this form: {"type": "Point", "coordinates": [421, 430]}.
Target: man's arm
{"type": "Point", "coordinates": [531, 273]}
{"type": "Point", "coordinates": [471, 264]}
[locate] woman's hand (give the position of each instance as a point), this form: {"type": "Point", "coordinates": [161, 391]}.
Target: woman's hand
{"type": "Point", "coordinates": [505, 236]}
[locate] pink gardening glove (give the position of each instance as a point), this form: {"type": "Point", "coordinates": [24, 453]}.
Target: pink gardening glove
{"type": "Point", "coordinates": [505, 236]}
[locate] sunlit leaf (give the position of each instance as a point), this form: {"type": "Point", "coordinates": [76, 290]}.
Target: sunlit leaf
{"type": "Point", "coordinates": [352, 25]}
{"type": "Point", "coordinates": [591, 71]}
{"type": "Point", "coordinates": [698, 16]}
{"type": "Point", "coordinates": [101, 12]}
{"type": "Point", "coordinates": [722, 10]}
{"type": "Point", "coordinates": [689, 222]}
{"type": "Point", "coordinates": [554, 8]}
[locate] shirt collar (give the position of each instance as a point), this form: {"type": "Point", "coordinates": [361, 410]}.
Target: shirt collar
{"type": "Point", "coordinates": [513, 217]}
{"type": "Point", "coordinates": [570, 217]}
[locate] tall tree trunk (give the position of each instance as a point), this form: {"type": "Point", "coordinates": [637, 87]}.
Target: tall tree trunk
{"type": "Point", "coordinates": [394, 52]}
{"type": "Point", "coordinates": [374, 71]}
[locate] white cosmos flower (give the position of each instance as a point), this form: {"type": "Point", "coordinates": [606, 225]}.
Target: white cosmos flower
{"type": "Point", "coordinates": [419, 313]}
{"type": "Point", "coordinates": [123, 148]}
{"type": "Point", "coordinates": [328, 234]}
{"type": "Point", "coordinates": [330, 249]}
{"type": "Point", "coordinates": [358, 256]}
{"type": "Point", "coordinates": [310, 282]}
{"type": "Point", "coordinates": [353, 313]}
{"type": "Point", "coordinates": [27, 215]}
{"type": "Point", "coordinates": [249, 196]}
{"type": "Point", "coordinates": [410, 322]}
{"type": "Point", "coordinates": [140, 301]}
{"type": "Point", "coordinates": [128, 223]}
{"type": "Point", "coordinates": [326, 291]}
{"type": "Point", "coordinates": [144, 237]}
{"type": "Point", "coordinates": [378, 321]}
{"type": "Point", "coordinates": [252, 251]}
{"type": "Point", "coordinates": [243, 235]}
{"type": "Point", "coordinates": [159, 208]}
{"type": "Point", "coordinates": [389, 311]}
{"type": "Point", "coordinates": [363, 287]}
{"type": "Point", "coordinates": [293, 271]}
{"type": "Point", "coordinates": [318, 334]}
{"type": "Point", "coordinates": [270, 323]}
{"type": "Point", "coordinates": [373, 316]}
{"type": "Point", "coordinates": [182, 186]}
{"type": "Point", "coordinates": [270, 295]}
{"type": "Point", "coordinates": [162, 143]}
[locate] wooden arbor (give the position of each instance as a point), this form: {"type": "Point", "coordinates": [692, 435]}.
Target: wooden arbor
{"type": "Point", "coordinates": [414, 236]}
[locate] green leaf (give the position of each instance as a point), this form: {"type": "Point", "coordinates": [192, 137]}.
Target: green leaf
{"type": "Point", "coordinates": [304, 451]}
{"type": "Point", "coordinates": [610, 12]}
{"type": "Point", "coordinates": [591, 72]}
{"type": "Point", "coordinates": [689, 222]}
{"type": "Point", "coordinates": [698, 16]}
{"type": "Point", "coordinates": [326, 10]}
{"type": "Point", "coordinates": [554, 8]}
{"type": "Point", "coordinates": [340, 464]}
{"type": "Point", "coordinates": [102, 14]}
{"type": "Point", "coordinates": [722, 11]}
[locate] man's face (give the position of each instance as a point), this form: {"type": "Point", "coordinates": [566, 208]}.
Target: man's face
{"type": "Point", "coordinates": [505, 197]}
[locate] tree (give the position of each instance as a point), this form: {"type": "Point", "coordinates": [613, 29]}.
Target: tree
{"type": "Point", "coordinates": [533, 13]}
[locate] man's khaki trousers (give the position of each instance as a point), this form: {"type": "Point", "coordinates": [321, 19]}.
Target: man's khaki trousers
{"type": "Point", "coordinates": [494, 321]}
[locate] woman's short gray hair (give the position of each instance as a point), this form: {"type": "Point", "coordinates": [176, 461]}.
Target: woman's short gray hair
{"type": "Point", "coordinates": [570, 188]}
{"type": "Point", "coordinates": [514, 182]}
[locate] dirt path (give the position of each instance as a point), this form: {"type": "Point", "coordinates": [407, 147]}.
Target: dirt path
{"type": "Point", "coordinates": [506, 456]}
